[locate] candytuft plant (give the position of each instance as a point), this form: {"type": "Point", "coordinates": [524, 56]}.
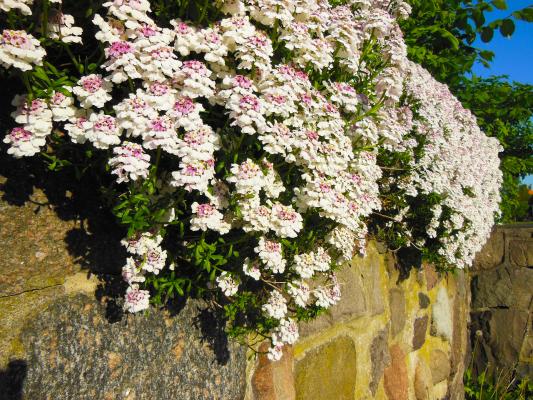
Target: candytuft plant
{"type": "Point", "coordinates": [248, 147]}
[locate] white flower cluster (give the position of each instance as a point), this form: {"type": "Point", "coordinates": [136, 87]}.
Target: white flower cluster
{"type": "Point", "coordinates": [19, 49]}
{"type": "Point", "coordinates": [61, 27]}
{"type": "Point", "coordinates": [130, 162]}
{"type": "Point", "coordinates": [147, 256]}
{"type": "Point", "coordinates": [196, 96]}
{"type": "Point", "coordinates": [460, 164]}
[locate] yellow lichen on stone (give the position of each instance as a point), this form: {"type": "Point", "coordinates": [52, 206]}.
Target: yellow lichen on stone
{"type": "Point", "coordinates": [15, 311]}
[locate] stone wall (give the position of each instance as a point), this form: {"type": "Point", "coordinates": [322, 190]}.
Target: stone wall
{"type": "Point", "coordinates": [63, 337]}
{"type": "Point", "coordinates": [387, 339]}
{"type": "Point", "coordinates": [501, 331]}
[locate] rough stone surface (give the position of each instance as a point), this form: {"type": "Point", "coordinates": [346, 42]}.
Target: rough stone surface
{"type": "Point", "coordinates": [439, 365]}
{"type": "Point", "coordinates": [34, 255]}
{"type": "Point", "coordinates": [329, 372]}
{"type": "Point", "coordinates": [380, 358]}
{"type": "Point", "coordinates": [150, 356]}
{"type": "Point", "coordinates": [274, 380]}
{"type": "Point", "coordinates": [370, 271]}
{"type": "Point", "coordinates": [353, 302]}
{"type": "Point", "coordinates": [503, 287]}
{"type": "Point", "coordinates": [423, 381]}
{"type": "Point", "coordinates": [395, 376]}
{"type": "Point", "coordinates": [321, 323]}
{"type": "Point", "coordinates": [48, 233]}
{"type": "Point", "coordinates": [502, 304]}
{"type": "Point", "coordinates": [507, 331]}
{"type": "Point", "coordinates": [397, 310]}
{"type": "Point", "coordinates": [419, 332]}
{"type": "Point", "coordinates": [459, 349]}
{"type": "Point", "coordinates": [492, 253]}
{"type": "Point", "coordinates": [432, 276]}
{"type": "Point", "coordinates": [441, 316]}
{"type": "Point", "coordinates": [423, 300]}
{"type": "Point", "coordinates": [521, 253]}
{"type": "Point", "coordinates": [15, 311]}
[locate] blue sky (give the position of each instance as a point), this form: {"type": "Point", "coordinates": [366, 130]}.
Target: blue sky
{"type": "Point", "coordinates": [514, 56]}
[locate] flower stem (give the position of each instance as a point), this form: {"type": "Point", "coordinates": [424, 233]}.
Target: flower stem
{"type": "Point", "coordinates": [44, 25]}
{"type": "Point", "coordinates": [26, 80]}
{"type": "Point", "coordinates": [73, 58]}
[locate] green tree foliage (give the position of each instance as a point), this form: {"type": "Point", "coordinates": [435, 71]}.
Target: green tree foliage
{"type": "Point", "coordinates": [440, 35]}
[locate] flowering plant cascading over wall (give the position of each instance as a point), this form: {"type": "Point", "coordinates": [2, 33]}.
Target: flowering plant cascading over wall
{"type": "Point", "coordinates": [250, 146]}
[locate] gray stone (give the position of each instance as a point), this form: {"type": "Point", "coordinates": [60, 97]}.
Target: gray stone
{"type": "Point", "coordinates": [369, 267]}
{"type": "Point", "coordinates": [352, 303]}
{"type": "Point", "coordinates": [521, 252]}
{"type": "Point", "coordinates": [441, 316]}
{"type": "Point", "coordinates": [419, 332]}
{"type": "Point", "coordinates": [507, 333]}
{"type": "Point", "coordinates": [75, 353]}
{"type": "Point", "coordinates": [397, 310]}
{"type": "Point", "coordinates": [43, 238]}
{"type": "Point", "coordinates": [501, 337]}
{"type": "Point", "coordinates": [440, 366]}
{"type": "Point", "coordinates": [316, 325]}
{"type": "Point", "coordinates": [423, 300]}
{"type": "Point", "coordinates": [380, 358]}
{"type": "Point", "coordinates": [492, 253]}
{"type": "Point", "coordinates": [327, 372]}
{"type": "Point", "coordinates": [503, 287]}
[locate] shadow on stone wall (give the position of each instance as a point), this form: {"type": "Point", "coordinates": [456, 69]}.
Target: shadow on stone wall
{"type": "Point", "coordinates": [63, 334]}
{"type": "Point", "coordinates": [55, 206]}
{"type": "Point", "coordinates": [12, 380]}
{"type": "Point", "coordinates": [501, 330]}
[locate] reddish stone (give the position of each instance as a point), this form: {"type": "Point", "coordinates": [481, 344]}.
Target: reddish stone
{"type": "Point", "coordinates": [274, 380]}
{"type": "Point", "coordinates": [395, 376]}
{"type": "Point", "coordinates": [432, 276]}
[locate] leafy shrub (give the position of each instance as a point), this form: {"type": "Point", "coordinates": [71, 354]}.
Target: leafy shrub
{"type": "Point", "coordinates": [503, 387]}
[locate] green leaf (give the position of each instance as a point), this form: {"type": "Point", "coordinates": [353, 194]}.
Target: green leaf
{"type": "Point", "coordinates": [525, 14]}
{"type": "Point", "coordinates": [507, 27]}
{"type": "Point", "coordinates": [500, 4]}
{"type": "Point", "coordinates": [487, 34]}
{"type": "Point", "coordinates": [487, 55]}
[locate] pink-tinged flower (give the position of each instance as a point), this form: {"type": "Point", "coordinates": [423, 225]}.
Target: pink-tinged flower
{"type": "Point", "coordinates": [136, 299]}
{"type": "Point", "coordinates": [250, 103]}
{"type": "Point", "coordinates": [130, 162]}
{"type": "Point", "coordinates": [276, 306]}
{"type": "Point", "coordinates": [93, 91]}
{"type": "Point", "coordinates": [62, 107]}
{"type": "Point", "coordinates": [122, 62]}
{"type": "Point", "coordinates": [102, 131]}
{"type": "Point", "coordinates": [206, 216]}
{"type": "Point", "coordinates": [242, 82]}
{"type": "Point", "coordinates": [23, 143]}
{"type": "Point", "coordinates": [252, 269]}
{"type": "Point", "coordinates": [270, 253]}
{"type": "Point", "coordinates": [194, 67]}
{"type": "Point", "coordinates": [228, 284]}
{"type": "Point", "coordinates": [118, 49]}
{"type": "Point", "coordinates": [21, 50]}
